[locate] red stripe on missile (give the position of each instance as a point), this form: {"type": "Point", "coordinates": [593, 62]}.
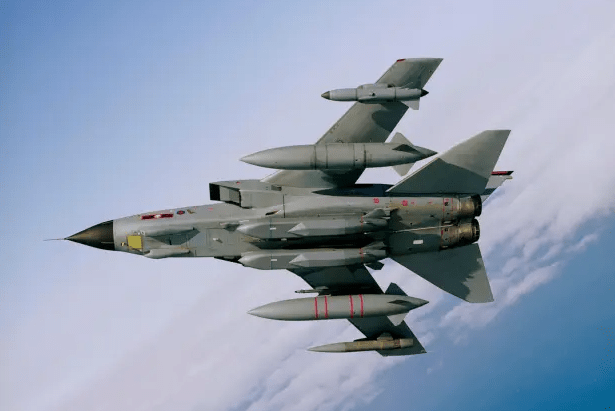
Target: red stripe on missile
{"type": "Point", "coordinates": [326, 308]}
{"type": "Point", "coordinates": [351, 307]}
{"type": "Point", "coordinates": [361, 297]}
{"type": "Point", "coordinates": [316, 307]}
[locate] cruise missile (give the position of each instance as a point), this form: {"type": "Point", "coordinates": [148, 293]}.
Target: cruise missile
{"type": "Point", "coordinates": [312, 258]}
{"type": "Point", "coordinates": [340, 156]}
{"type": "Point", "coordinates": [377, 94]}
{"type": "Point", "coordinates": [366, 345]}
{"type": "Point", "coordinates": [158, 253]}
{"type": "Point", "coordinates": [282, 228]}
{"type": "Point", "coordinates": [328, 307]}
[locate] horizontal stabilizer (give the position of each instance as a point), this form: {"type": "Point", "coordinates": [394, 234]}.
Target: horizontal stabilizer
{"type": "Point", "coordinates": [463, 169]}
{"type": "Point", "coordinates": [497, 179]}
{"type": "Point", "coordinates": [458, 271]}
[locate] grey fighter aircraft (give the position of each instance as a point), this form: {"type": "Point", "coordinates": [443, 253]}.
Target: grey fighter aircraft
{"type": "Point", "coordinates": [313, 219]}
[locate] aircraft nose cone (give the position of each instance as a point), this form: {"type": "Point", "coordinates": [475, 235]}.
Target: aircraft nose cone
{"type": "Point", "coordinates": [98, 236]}
{"type": "Point", "coordinates": [326, 95]}
{"type": "Point", "coordinates": [424, 93]}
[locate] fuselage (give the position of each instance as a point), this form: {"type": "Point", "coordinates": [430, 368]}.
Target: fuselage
{"type": "Point", "coordinates": [333, 227]}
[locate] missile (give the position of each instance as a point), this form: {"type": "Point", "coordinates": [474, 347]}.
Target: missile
{"type": "Point", "coordinates": [312, 258]}
{"type": "Point", "coordinates": [328, 307]}
{"type": "Point", "coordinates": [377, 94]}
{"type": "Point", "coordinates": [366, 345]}
{"type": "Point", "coordinates": [283, 228]}
{"type": "Point", "coordinates": [340, 156]}
{"type": "Point", "coordinates": [158, 253]}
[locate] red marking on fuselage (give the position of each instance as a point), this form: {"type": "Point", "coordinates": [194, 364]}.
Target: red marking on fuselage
{"type": "Point", "coordinates": [400, 60]}
{"type": "Point", "coordinates": [351, 307]}
{"type": "Point", "coordinates": [153, 216]}
{"type": "Point", "coordinates": [376, 200]}
{"type": "Point", "coordinates": [404, 203]}
{"type": "Point", "coordinates": [316, 307]}
{"type": "Point", "coordinates": [443, 207]}
{"type": "Point", "coordinates": [361, 297]}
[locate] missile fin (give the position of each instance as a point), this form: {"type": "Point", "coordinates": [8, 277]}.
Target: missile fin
{"type": "Point", "coordinates": [413, 104]}
{"type": "Point", "coordinates": [401, 139]}
{"type": "Point", "coordinates": [397, 318]}
{"type": "Point", "coordinates": [300, 229]}
{"type": "Point", "coordinates": [403, 169]}
{"type": "Point", "coordinates": [394, 289]}
{"type": "Point", "coordinates": [301, 260]}
{"type": "Point", "coordinates": [378, 213]}
{"type": "Point", "coordinates": [375, 265]}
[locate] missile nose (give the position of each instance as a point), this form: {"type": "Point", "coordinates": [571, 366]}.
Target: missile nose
{"type": "Point", "coordinates": [326, 95]}
{"type": "Point", "coordinates": [272, 311]}
{"type": "Point", "coordinates": [424, 93]}
{"type": "Point", "coordinates": [249, 159]}
{"type": "Point", "coordinates": [98, 236]}
{"type": "Point", "coordinates": [259, 312]}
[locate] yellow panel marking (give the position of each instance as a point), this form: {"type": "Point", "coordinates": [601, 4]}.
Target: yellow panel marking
{"type": "Point", "coordinates": [135, 241]}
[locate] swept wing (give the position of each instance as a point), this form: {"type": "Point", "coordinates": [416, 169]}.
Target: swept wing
{"type": "Point", "coordinates": [363, 123]}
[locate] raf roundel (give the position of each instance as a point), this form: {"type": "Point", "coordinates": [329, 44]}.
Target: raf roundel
{"type": "Point", "coordinates": [180, 212]}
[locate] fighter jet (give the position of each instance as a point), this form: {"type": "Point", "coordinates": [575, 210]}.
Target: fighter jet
{"type": "Point", "coordinates": [313, 219]}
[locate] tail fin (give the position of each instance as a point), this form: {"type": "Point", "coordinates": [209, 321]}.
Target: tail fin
{"type": "Point", "coordinates": [463, 169]}
{"type": "Point", "coordinates": [458, 271]}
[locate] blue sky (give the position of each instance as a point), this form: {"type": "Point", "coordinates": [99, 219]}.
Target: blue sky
{"type": "Point", "coordinates": [113, 108]}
